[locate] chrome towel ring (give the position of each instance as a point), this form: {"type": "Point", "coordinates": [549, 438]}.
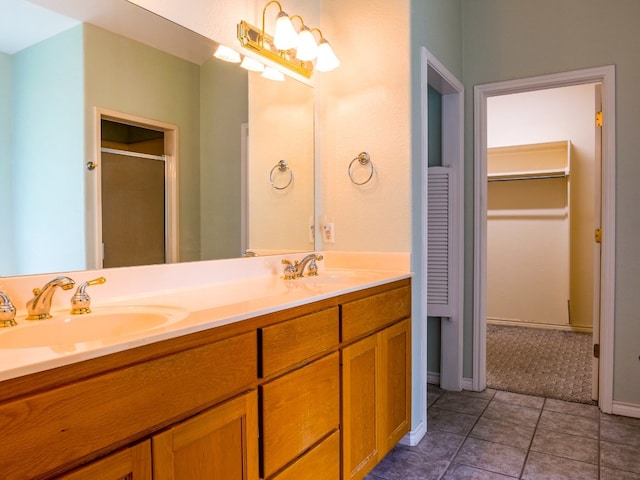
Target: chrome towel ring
{"type": "Point", "coordinates": [283, 167]}
{"type": "Point", "coordinates": [363, 159]}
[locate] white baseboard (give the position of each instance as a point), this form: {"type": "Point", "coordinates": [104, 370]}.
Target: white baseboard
{"type": "Point", "coordinates": [467, 384]}
{"type": "Point", "coordinates": [433, 378]}
{"type": "Point", "coordinates": [626, 409]}
{"type": "Point", "coordinates": [412, 438]}
{"type": "Point", "coordinates": [553, 326]}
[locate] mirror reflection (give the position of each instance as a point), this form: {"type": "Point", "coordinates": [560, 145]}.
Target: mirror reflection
{"type": "Point", "coordinates": [222, 130]}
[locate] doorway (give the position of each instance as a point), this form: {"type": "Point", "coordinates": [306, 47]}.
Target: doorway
{"type": "Point", "coordinates": [133, 220]}
{"type": "Point", "coordinates": [604, 311]}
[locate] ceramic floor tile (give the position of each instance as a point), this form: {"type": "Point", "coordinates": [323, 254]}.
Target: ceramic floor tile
{"type": "Point", "coordinates": [571, 424]}
{"type": "Point", "coordinates": [486, 394]}
{"type": "Point", "coordinates": [500, 431]}
{"type": "Point", "coordinates": [621, 457]}
{"type": "Point", "coordinates": [464, 472]}
{"type": "Point", "coordinates": [572, 408]}
{"type": "Point", "coordinates": [493, 457]}
{"type": "Point", "coordinates": [624, 433]}
{"type": "Point", "coordinates": [565, 445]}
{"type": "Point", "coordinates": [409, 465]}
{"type": "Point", "coordinates": [619, 419]}
{"type": "Point", "coordinates": [519, 399]}
{"type": "Point", "coordinates": [612, 474]}
{"type": "Point", "coordinates": [512, 413]}
{"type": "Point", "coordinates": [442, 420]}
{"type": "Point", "coordinates": [462, 403]}
{"type": "Point", "coordinates": [545, 467]}
{"type": "Point", "coordinates": [437, 445]}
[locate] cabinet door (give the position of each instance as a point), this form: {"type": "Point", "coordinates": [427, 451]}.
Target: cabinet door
{"type": "Point", "coordinates": [361, 364]}
{"type": "Point", "coordinates": [133, 463]}
{"type": "Point", "coordinates": [395, 414]}
{"type": "Point", "coordinates": [221, 443]}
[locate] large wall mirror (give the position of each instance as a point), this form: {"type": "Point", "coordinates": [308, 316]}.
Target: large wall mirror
{"type": "Point", "coordinates": [224, 131]}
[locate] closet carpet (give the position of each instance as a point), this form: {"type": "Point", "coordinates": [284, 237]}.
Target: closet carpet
{"type": "Point", "coordinates": [541, 362]}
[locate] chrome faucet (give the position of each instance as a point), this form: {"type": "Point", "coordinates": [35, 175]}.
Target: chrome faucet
{"type": "Point", "coordinates": [39, 306]}
{"type": "Point", "coordinates": [7, 311]}
{"type": "Point", "coordinates": [313, 267]}
{"type": "Point", "coordinates": [81, 301]}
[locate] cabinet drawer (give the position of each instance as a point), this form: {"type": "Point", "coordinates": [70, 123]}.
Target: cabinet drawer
{"type": "Point", "coordinates": [322, 462]}
{"type": "Point", "coordinates": [372, 313]}
{"type": "Point", "coordinates": [298, 410]}
{"type": "Point", "coordinates": [289, 343]}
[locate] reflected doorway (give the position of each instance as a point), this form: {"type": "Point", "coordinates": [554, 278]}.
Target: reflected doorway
{"type": "Point", "coordinates": [136, 185]}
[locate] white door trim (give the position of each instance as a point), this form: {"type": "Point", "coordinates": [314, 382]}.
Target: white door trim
{"type": "Point", "coordinates": [606, 76]}
{"type": "Point", "coordinates": [442, 80]}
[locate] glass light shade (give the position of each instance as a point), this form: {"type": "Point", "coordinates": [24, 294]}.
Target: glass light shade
{"type": "Point", "coordinates": [227, 54]}
{"type": "Point", "coordinates": [285, 37]}
{"type": "Point", "coordinates": [273, 74]}
{"type": "Point", "coordinates": [327, 59]}
{"type": "Point", "coordinates": [249, 63]}
{"type": "Point", "coordinates": [307, 46]}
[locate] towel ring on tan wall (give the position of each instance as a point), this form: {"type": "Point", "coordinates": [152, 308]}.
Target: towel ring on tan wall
{"type": "Point", "coordinates": [281, 166]}
{"type": "Point", "coordinates": [363, 159]}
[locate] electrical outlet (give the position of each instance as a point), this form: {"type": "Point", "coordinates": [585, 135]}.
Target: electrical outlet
{"type": "Point", "coordinates": [329, 233]}
{"type": "Point", "coordinates": [312, 230]}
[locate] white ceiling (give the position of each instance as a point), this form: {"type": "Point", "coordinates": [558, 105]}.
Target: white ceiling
{"type": "Point", "coordinates": [25, 22]}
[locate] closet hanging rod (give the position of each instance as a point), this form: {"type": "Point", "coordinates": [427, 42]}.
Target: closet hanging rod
{"type": "Point", "coordinates": [127, 153]}
{"type": "Point", "coordinates": [527, 177]}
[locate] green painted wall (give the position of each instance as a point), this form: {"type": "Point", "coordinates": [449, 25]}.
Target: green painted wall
{"type": "Point", "coordinates": [48, 139]}
{"type": "Point", "coordinates": [224, 108]}
{"type": "Point", "coordinates": [505, 40]}
{"type": "Point", "coordinates": [129, 77]}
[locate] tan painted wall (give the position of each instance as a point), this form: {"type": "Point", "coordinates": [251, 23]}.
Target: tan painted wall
{"type": "Point", "coordinates": [551, 115]}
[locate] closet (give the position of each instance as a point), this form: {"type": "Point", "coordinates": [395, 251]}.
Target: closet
{"type": "Point", "coordinates": [528, 233]}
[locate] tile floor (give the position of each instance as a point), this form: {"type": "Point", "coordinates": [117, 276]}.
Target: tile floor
{"type": "Point", "coordinates": [500, 435]}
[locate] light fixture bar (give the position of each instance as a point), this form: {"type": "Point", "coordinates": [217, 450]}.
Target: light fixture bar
{"type": "Point", "coordinates": [252, 38]}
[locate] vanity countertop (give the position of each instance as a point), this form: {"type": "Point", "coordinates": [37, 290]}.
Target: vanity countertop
{"type": "Point", "coordinates": [194, 308]}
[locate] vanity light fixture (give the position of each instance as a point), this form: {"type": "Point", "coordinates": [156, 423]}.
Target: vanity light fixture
{"type": "Point", "coordinates": [273, 74]}
{"type": "Point", "coordinates": [252, 65]}
{"type": "Point", "coordinates": [227, 54]}
{"type": "Point", "coordinates": [296, 54]}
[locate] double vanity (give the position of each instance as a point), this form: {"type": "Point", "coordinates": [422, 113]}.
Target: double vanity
{"type": "Point", "coordinates": [247, 376]}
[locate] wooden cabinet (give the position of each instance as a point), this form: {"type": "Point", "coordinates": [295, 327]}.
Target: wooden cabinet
{"type": "Point", "coordinates": [132, 463]}
{"type": "Point", "coordinates": [219, 443]}
{"type": "Point", "coordinates": [376, 376]}
{"type": "Point", "coordinates": [317, 392]}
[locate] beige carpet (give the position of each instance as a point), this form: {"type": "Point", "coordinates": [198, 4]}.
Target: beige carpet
{"type": "Point", "coordinates": [542, 362]}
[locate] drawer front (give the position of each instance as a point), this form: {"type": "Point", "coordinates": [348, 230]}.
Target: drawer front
{"type": "Point", "coordinates": [299, 409]}
{"type": "Point", "coordinates": [372, 313]}
{"type": "Point", "coordinates": [57, 428]}
{"type": "Point", "coordinates": [322, 462]}
{"type": "Point", "coordinates": [289, 343]}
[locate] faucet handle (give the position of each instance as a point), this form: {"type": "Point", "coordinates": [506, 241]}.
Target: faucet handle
{"type": "Point", "coordinates": [7, 311]}
{"type": "Point", "coordinates": [80, 301]}
{"type": "Point", "coordinates": [289, 270]}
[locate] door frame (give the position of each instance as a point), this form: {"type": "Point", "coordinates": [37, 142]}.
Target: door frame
{"type": "Point", "coordinates": [606, 76]}
{"type": "Point", "coordinates": [94, 190]}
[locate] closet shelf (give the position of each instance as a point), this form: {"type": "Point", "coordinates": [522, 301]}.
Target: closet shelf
{"type": "Point", "coordinates": [528, 175]}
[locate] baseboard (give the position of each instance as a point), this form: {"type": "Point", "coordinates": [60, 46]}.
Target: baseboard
{"type": "Point", "coordinates": [626, 409]}
{"type": "Point", "coordinates": [433, 378]}
{"type": "Point", "coordinates": [467, 384]}
{"type": "Point", "coordinates": [552, 326]}
{"type": "Point", "coordinates": [414, 436]}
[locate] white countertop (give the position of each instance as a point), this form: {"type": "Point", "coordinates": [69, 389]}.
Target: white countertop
{"type": "Point", "coordinates": [196, 308]}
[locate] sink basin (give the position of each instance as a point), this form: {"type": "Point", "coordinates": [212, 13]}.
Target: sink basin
{"type": "Point", "coordinates": [102, 325]}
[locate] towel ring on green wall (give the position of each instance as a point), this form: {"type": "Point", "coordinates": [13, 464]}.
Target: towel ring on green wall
{"type": "Point", "coordinates": [281, 166]}
{"type": "Point", "coordinates": [363, 159]}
